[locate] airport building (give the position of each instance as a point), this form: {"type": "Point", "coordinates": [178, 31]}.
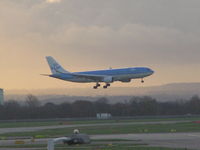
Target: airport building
{"type": "Point", "coordinates": [103, 115]}
{"type": "Point", "coordinates": [1, 97]}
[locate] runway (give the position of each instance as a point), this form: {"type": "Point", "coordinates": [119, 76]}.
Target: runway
{"type": "Point", "coordinates": [170, 140]}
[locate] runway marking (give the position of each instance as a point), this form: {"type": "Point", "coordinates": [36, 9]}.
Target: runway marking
{"type": "Point", "coordinates": [194, 135]}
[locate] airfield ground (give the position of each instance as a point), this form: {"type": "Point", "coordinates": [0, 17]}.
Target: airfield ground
{"type": "Point", "coordinates": [134, 134]}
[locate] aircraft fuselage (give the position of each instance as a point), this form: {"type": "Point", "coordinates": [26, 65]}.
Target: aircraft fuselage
{"type": "Point", "coordinates": [124, 74]}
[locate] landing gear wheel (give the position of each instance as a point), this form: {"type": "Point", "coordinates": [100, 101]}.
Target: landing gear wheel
{"type": "Point", "coordinates": [142, 81]}
{"type": "Point", "coordinates": [94, 87]}
{"type": "Point", "coordinates": [97, 85]}
{"type": "Point", "coordinates": [105, 87]}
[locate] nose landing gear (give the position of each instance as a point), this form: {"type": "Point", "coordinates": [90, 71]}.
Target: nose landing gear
{"type": "Point", "coordinates": [96, 86]}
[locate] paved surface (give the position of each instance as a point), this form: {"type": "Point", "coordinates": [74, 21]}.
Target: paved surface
{"type": "Point", "coordinates": [173, 140]}
{"type": "Point", "coordinates": [29, 129]}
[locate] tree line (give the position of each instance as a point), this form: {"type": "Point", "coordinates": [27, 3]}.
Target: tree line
{"type": "Point", "coordinates": [136, 106]}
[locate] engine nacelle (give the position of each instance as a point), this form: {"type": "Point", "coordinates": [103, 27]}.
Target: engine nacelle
{"type": "Point", "coordinates": [126, 80]}
{"type": "Point", "coordinates": [108, 79]}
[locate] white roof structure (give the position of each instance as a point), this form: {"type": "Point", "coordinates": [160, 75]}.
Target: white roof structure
{"type": "Point", "coordinates": [1, 97]}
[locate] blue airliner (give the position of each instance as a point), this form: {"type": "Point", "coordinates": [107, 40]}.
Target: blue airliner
{"type": "Point", "coordinates": [107, 76]}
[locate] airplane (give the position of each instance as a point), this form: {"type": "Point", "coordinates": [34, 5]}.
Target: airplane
{"type": "Point", "coordinates": [107, 76]}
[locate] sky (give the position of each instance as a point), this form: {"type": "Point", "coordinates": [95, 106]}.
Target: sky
{"type": "Point", "coordinates": [97, 34]}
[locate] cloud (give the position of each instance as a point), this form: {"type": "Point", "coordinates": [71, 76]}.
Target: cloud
{"type": "Point", "coordinates": [131, 43]}
{"type": "Point", "coordinates": [103, 28]}
{"type": "Point", "coordinates": [97, 34]}
{"type": "Point", "coordinates": [53, 1]}
{"type": "Point", "coordinates": [51, 28]}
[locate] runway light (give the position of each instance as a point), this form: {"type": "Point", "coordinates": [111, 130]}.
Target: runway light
{"type": "Point", "coordinates": [19, 142]}
{"type": "Point", "coordinates": [173, 130]}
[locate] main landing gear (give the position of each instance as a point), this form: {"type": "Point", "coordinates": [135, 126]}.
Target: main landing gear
{"type": "Point", "coordinates": [98, 85]}
{"type": "Point", "coordinates": [142, 81]}
{"type": "Point", "coordinates": [107, 85]}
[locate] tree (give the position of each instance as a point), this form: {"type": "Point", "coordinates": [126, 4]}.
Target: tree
{"type": "Point", "coordinates": [64, 110]}
{"type": "Point", "coordinates": [102, 106]}
{"type": "Point", "coordinates": [12, 110]}
{"type": "Point", "coordinates": [32, 101]}
{"type": "Point", "coordinates": [82, 108]}
{"type": "Point", "coordinates": [143, 106]}
{"type": "Point", "coordinates": [33, 107]}
{"type": "Point", "coordinates": [194, 105]}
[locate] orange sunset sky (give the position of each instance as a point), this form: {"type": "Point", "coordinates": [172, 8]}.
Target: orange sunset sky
{"type": "Point", "coordinates": [97, 34]}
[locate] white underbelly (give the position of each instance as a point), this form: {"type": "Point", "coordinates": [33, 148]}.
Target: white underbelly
{"type": "Point", "coordinates": [129, 76]}
{"type": "Point", "coordinates": [81, 80]}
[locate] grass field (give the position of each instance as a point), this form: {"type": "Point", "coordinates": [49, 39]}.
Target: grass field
{"type": "Point", "coordinates": [94, 147]}
{"type": "Point", "coordinates": [112, 129]}
{"type": "Point", "coordinates": [53, 123]}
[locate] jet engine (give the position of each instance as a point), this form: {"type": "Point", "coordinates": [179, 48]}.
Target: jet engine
{"type": "Point", "coordinates": [125, 80]}
{"type": "Point", "coordinates": [108, 79]}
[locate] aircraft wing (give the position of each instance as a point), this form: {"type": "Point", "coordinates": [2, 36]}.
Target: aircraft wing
{"type": "Point", "coordinates": [45, 74]}
{"type": "Point", "coordinates": [85, 76]}
{"type": "Point", "coordinates": [89, 76]}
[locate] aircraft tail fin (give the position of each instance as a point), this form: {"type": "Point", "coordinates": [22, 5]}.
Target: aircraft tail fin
{"type": "Point", "coordinates": [54, 66]}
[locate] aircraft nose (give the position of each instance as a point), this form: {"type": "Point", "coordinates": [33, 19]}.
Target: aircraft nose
{"type": "Point", "coordinates": [151, 71]}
